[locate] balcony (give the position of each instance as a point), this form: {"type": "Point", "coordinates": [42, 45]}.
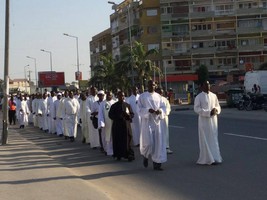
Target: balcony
{"type": "Point", "coordinates": [201, 33]}
{"type": "Point", "coordinates": [201, 14]}
{"type": "Point", "coordinates": [246, 30]}
{"type": "Point", "coordinates": [250, 47]}
{"type": "Point", "coordinates": [178, 69]}
{"type": "Point", "coordinates": [206, 50]}
{"type": "Point", "coordinates": [251, 11]}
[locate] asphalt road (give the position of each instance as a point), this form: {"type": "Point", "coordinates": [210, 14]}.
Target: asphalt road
{"type": "Point", "coordinates": [242, 175]}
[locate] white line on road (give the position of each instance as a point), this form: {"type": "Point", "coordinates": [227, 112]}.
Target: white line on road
{"type": "Point", "coordinates": [176, 126]}
{"type": "Point", "coordinates": [245, 136]}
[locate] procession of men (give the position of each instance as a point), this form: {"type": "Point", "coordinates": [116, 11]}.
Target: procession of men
{"type": "Point", "coordinates": [109, 122]}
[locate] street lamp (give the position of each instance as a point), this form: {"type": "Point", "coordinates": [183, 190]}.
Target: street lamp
{"type": "Point", "coordinates": [35, 68]}
{"type": "Point", "coordinates": [51, 67]}
{"type": "Point", "coordinates": [77, 46]}
{"type": "Point", "coordinates": [25, 76]}
{"type": "Point", "coordinates": [114, 7]}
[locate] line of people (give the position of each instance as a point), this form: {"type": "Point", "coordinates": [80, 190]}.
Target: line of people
{"type": "Point", "coordinates": [113, 123]}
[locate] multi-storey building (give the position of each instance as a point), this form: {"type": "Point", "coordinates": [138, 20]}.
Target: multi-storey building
{"type": "Point", "coordinates": [227, 36]}
{"type": "Point", "coordinates": [100, 45]}
{"type": "Point", "coordinates": [124, 27]}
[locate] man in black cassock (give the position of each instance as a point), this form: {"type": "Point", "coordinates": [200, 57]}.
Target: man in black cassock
{"type": "Point", "coordinates": [121, 114]}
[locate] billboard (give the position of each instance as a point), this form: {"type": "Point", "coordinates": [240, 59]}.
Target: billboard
{"type": "Point", "coordinates": [78, 75]}
{"type": "Point", "coordinates": [49, 79]}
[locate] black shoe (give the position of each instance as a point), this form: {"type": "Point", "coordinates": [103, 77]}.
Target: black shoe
{"type": "Point", "coordinates": [102, 149]}
{"type": "Point", "coordinates": [66, 137]}
{"type": "Point", "coordinates": [130, 159]}
{"type": "Point", "coordinates": [72, 139]}
{"type": "Point", "coordinates": [83, 141]}
{"type": "Point", "coordinates": [61, 135]}
{"type": "Point", "coordinates": [145, 162]}
{"type": "Point", "coordinates": [157, 166]}
{"type": "Point", "coordinates": [118, 158]}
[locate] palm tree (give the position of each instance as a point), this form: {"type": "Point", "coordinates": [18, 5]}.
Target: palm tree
{"type": "Point", "coordinates": [139, 59]}
{"type": "Point", "coordinates": [103, 73]}
{"type": "Point", "coordinates": [203, 74]}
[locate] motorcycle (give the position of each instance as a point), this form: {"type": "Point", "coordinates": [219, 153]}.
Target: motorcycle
{"type": "Point", "coordinates": [251, 102]}
{"type": "Point", "coordinates": [243, 102]}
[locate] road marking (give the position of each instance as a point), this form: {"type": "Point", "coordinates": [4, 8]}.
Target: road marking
{"type": "Point", "coordinates": [245, 136]}
{"type": "Point", "coordinates": [176, 126]}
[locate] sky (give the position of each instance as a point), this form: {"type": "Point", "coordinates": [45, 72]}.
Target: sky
{"type": "Point", "coordinates": [40, 24]}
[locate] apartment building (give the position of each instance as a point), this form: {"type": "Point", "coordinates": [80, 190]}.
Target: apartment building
{"type": "Point", "coordinates": [228, 36]}
{"type": "Point", "coordinates": [100, 45]}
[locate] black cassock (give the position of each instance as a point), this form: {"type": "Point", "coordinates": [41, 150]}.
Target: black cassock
{"type": "Point", "coordinates": [122, 114]}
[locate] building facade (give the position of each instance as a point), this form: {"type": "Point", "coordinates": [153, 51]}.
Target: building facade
{"type": "Point", "coordinates": [227, 36]}
{"type": "Point", "coordinates": [100, 45]}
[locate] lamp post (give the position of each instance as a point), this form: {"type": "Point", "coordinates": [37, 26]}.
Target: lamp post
{"type": "Point", "coordinates": [6, 76]}
{"type": "Point", "coordinates": [25, 76]}
{"type": "Point", "coordinates": [77, 47]}
{"type": "Point", "coordinates": [51, 67]}
{"type": "Point", "coordinates": [35, 69]}
{"type": "Point", "coordinates": [114, 7]}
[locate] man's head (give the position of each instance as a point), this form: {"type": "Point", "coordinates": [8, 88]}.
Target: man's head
{"type": "Point", "coordinates": [151, 86]}
{"type": "Point", "coordinates": [121, 96]}
{"type": "Point", "coordinates": [205, 86]}
{"type": "Point", "coordinates": [109, 95]}
{"type": "Point", "coordinates": [101, 95]}
{"type": "Point", "coordinates": [93, 91]}
{"type": "Point", "coordinates": [59, 95]}
{"type": "Point", "coordinates": [71, 94]}
{"type": "Point", "coordinates": [134, 90]}
{"type": "Point", "coordinates": [44, 95]}
{"type": "Point", "coordinates": [160, 91]}
{"type": "Point", "coordinates": [82, 96]}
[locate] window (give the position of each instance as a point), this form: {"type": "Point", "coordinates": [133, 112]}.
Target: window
{"type": "Point", "coordinates": [151, 12]}
{"type": "Point", "coordinates": [152, 29]}
{"type": "Point", "coordinates": [152, 46]}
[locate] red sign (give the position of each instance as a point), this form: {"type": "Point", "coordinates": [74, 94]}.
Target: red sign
{"type": "Point", "coordinates": [78, 76]}
{"type": "Point", "coordinates": [181, 77]}
{"type": "Point", "coordinates": [49, 79]}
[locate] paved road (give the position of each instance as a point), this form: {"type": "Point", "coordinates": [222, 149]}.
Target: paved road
{"type": "Point", "coordinates": [76, 172]}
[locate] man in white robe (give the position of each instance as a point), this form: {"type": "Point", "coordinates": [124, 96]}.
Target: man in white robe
{"type": "Point", "coordinates": [207, 107]}
{"type": "Point", "coordinates": [23, 112]}
{"type": "Point", "coordinates": [59, 113]}
{"type": "Point", "coordinates": [105, 123]}
{"type": "Point", "coordinates": [94, 113]}
{"type": "Point", "coordinates": [152, 140]}
{"type": "Point", "coordinates": [43, 113]}
{"type": "Point", "coordinates": [70, 114]}
{"type": "Point", "coordinates": [93, 133]}
{"type": "Point", "coordinates": [136, 120]}
{"type": "Point", "coordinates": [165, 122]}
{"type": "Point", "coordinates": [58, 121]}
{"type": "Point", "coordinates": [51, 122]}
{"type": "Point", "coordinates": [84, 116]}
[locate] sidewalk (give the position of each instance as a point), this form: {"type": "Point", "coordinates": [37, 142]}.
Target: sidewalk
{"type": "Point", "coordinates": [27, 172]}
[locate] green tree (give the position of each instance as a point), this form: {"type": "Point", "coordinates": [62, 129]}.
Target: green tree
{"type": "Point", "coordinates": [203, 74]}
{"type": "Point", "coordinates": [104, 73]}
{"type": "Point", "coordinates": [141, 64]}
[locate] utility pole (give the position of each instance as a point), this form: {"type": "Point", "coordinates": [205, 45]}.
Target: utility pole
{"type": "Point", "coordinates": [29, 76]}
{"type": "Point", "coordinates": [6, 77]}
